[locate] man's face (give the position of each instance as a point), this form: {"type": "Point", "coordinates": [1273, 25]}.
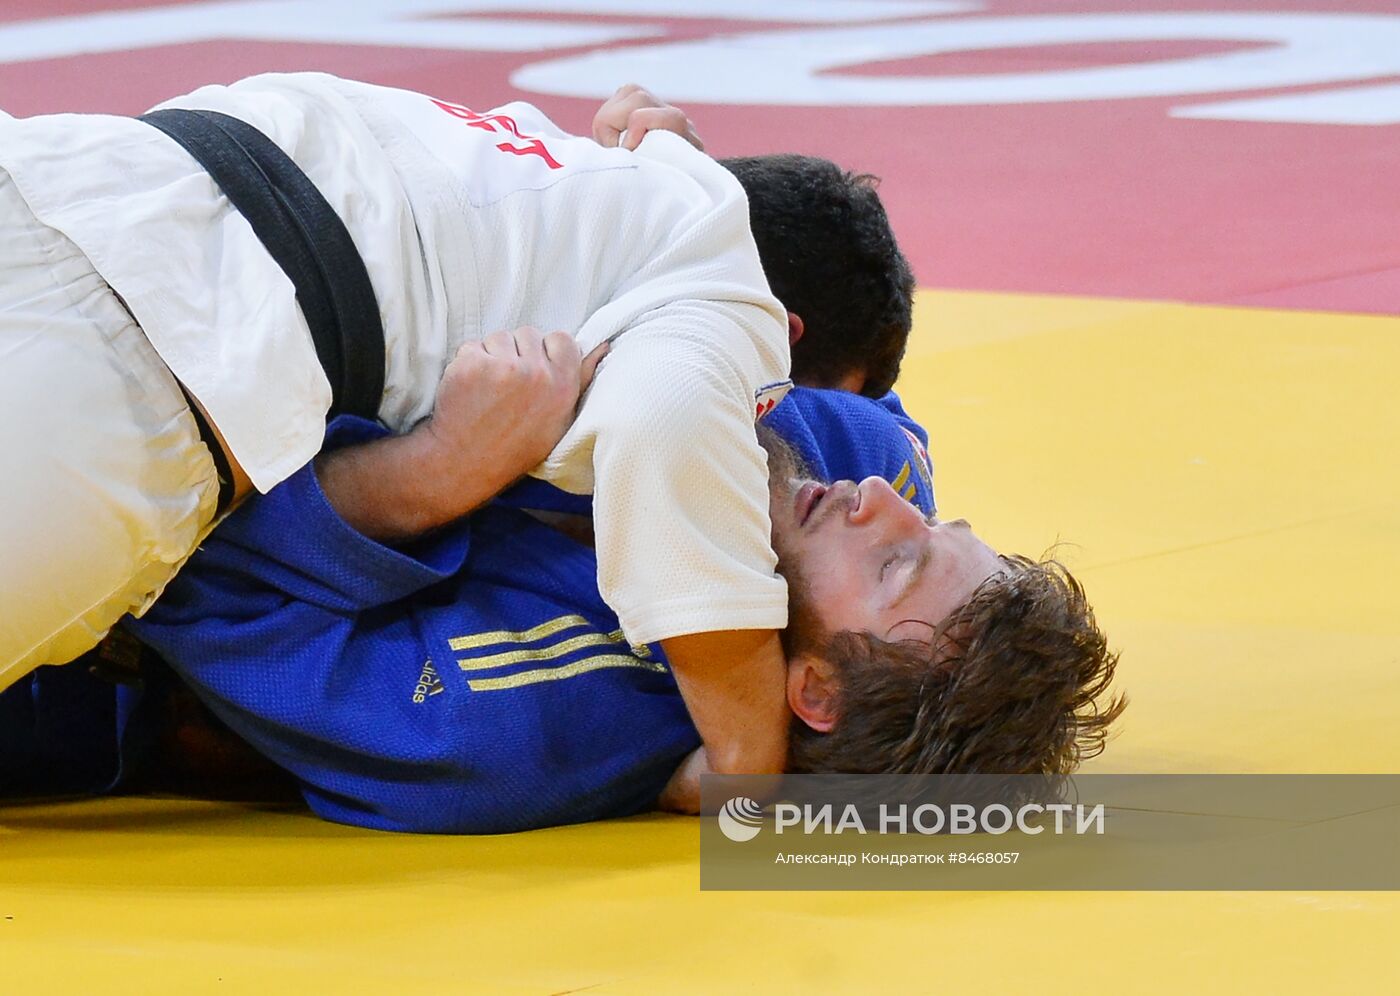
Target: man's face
{"type": "Point", "coordinates": [860, 557]}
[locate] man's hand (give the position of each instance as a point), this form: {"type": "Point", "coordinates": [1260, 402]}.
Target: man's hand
{"type": "Point", "coordinates": [682, 792]}
{"type": "Point", "coordinates": [502, 405]}
{"type": "Point", "coordinates": [632, 112]}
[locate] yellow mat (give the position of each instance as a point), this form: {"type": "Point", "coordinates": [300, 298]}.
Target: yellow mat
{"type": "Point", "coordinates": [1225, 480]}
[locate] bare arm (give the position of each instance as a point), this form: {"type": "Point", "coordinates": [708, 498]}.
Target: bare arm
{"type": "Point", "coordinates": [734, 685]}
{"type": "Point", "coordinates": [502, 405]}
{"type": "Point", "coordinates": [398, 488]}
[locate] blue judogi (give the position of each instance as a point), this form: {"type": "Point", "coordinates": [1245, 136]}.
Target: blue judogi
{"type": "Point", "coordinates": [473, 681]}
{"type": "Point", "coordinates": [844, 437]}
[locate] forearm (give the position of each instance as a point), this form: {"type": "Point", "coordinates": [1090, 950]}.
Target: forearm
{"type": "Point", "coordinates": [325, 535]}
{"type": "Point", "coordinates": [398, 488]}
{"type": "Point", "coordinates": [734, 685]}
{"type": "Point", "coordinates": [501, 406]}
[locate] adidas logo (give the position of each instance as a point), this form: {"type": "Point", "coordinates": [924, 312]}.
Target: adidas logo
{"type": "Point", "coordinates": [428, 683]}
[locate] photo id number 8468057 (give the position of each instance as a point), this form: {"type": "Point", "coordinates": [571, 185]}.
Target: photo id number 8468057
{"type": "Point", "coordinates": [983, 857]}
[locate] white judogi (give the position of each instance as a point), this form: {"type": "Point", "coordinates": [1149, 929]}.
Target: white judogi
{"type": "Point", "coordinates": [105, 486]}
{"type": "Point", "coordinates": [468, 223]}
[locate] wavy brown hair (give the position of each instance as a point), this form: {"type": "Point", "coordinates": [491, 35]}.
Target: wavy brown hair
{"type": "Point", "coordinates": [1009, 684]}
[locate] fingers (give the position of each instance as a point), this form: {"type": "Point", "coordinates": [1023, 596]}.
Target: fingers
{"type": "Point", "coordinates": [501, 344]}
{"type": "Point", "coordinates": [526, 356]}
{"type": "Point", "coordinates": [529, 345]}
{"type": "Point", "coordinates": [610, 121]}
{"type": "Point", "coordinates": [520, 385]}
{"type": "Point", "coordinates": [604, 133]}
{"type": "Point", "coordinates": [589, 366]}
{"type": "Point", "coordinates": [530, 355]}
{"type": "Point", "coordinates": [561, 364]}
{"type": "Point", "coordinates": [561, 349]}
{"type": "Point", "coordinates": [663, 118]}
{"type": "Point", "coordinates": [632, 112]}
{"type": "Point", "coordinates": [625, 107]}
{"type": "Point", "coordinates": [525, 342]}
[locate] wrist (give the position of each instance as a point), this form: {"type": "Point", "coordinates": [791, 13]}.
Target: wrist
{"type": "Point", "coordinates": [450, 482]}
{"type": "Point", "coordinates": [768, 758]}
{"type": "Point", "coordinates": [400, 487]}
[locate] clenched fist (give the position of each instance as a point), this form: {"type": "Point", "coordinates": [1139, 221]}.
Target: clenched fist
{"type": "Point", "coordinates": [505, 401]}
{"type": "Point", "coordinates": [501, 406]}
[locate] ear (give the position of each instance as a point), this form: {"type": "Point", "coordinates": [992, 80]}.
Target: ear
{"type": "Point", "coordinates": [812, 691]}
{"type": "Point", "coordinates": [852, 381]}
{"type": "Point", "coordinates": [795, 328]}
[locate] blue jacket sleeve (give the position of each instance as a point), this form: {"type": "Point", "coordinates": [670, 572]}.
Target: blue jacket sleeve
{"type": "Point", "coordinates": [292, 541]}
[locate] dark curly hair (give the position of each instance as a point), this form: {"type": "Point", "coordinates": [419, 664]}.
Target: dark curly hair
{"type": "Point", "coordinates": [831, 258]}
{"type": "Point", "coordinates": [1009, 685]}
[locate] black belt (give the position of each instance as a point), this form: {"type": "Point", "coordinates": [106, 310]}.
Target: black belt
{"type": "Point", "coordinates": [307, 239]}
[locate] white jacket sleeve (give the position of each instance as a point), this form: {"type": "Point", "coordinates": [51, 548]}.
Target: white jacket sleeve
{"type": "Point", "coordinates": [665, 440]}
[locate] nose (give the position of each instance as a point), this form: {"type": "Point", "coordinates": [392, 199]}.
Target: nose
{"type": "Point", "coordinates": [877, 498]}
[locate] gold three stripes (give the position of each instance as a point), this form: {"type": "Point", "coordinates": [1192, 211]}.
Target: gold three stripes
{"type": "Point", "coordinates": [921, 461]}
{"type": "Point", "coordinates": [555, 673]}
{"type": "Point", "coordinates": [524, 636]}
{"type": "Point", "coordinates": [550, 628]}
{"type": "Point", "coordinates": [907, 493]}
